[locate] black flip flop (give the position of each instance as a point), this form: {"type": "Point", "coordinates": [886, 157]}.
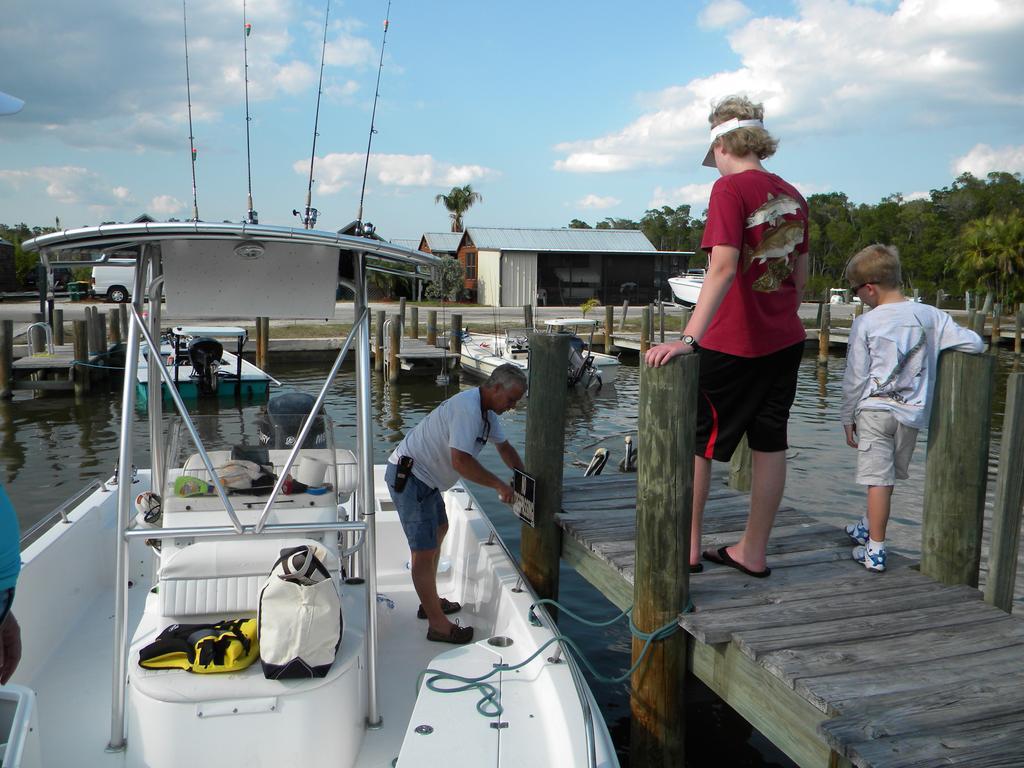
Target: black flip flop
{"type": "Point", "coordinates": [447, 606]}
{"type": "Point", "coordinates": [721, 557]}
{"type": "Point", "coordinates": [696, 567]}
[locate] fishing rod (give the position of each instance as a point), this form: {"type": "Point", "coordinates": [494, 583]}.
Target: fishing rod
{"type": "Point", "coordinates": [251, 216]}
{"type": "Point", "coordinates": [191, 138]}
{"type": "Point", "coordinates": [310, 214]}
{"type": "Point", "coordinates": [373, 116]}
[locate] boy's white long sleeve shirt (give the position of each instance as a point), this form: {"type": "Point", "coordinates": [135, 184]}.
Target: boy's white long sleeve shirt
{"type": "Point", "coordinates": [892, 356]}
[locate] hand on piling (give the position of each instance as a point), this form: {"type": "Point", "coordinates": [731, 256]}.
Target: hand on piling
{"type": "Point", "coordinates": [660, 354]}
{"type": "Point", "coordinates": [505, 493]}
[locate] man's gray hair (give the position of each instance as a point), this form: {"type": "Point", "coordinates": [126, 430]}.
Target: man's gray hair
{"type": "Point", "coordinates": [505, 376]}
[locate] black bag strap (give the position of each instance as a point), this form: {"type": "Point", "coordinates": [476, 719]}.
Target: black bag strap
{"type": "Point", "coordinates": [300, 563]}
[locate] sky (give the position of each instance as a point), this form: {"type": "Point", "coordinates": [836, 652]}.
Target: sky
{"type": "Point", "coordinates": [552, 111]}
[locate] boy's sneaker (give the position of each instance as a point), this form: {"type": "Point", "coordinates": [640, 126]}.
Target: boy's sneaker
{"type": "Point", "coordinates": [873, 561]}
{"type": "Point", "coordinates": [858, 532]}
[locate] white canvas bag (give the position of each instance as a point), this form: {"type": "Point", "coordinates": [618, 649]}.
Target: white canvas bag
{"type": "Point", "coordinates": [300, 622]}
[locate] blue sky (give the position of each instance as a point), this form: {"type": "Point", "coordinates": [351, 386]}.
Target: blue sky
{"type": "Point", "coordinates": [551, 110]}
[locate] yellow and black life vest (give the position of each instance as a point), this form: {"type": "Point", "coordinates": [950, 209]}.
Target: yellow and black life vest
{"type": "Point", "coordinates": [227, 646]}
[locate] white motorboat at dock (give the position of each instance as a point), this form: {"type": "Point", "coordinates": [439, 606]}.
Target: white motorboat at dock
{"type": "Point", "coordinates": [686, 287]}
{"type": "Point", "coordinates": [99, 582]}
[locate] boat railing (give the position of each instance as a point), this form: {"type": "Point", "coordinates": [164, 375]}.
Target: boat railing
{"type": "Point", "coordinates": [249, 531]}
{"type": "Point", "coordinates": [60, 511]}
{"type": "Point", "coordinates": [46, 330]}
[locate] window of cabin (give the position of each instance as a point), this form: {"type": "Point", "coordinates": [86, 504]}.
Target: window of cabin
{"type": "Point", "coordinates": [470, 265]}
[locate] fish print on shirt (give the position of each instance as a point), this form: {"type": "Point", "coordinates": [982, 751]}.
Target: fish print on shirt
{"type": "Point", "coordinates": [778, 243]}
{"type": "Point", "coordinates": [902, 378]}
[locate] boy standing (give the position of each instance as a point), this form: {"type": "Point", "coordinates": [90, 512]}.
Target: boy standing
{"type": "Point", "coordinates": [745, 326]}
{"type": "Point", "coordinates": [888, 385]}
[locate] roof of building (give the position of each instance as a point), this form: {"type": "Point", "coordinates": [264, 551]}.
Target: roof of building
{"type": "Point", "coordinates": [443, 242]}
{"type": "Point", "coordinates": [412, 245]}
{"type": "Point", "coordinates": [579, 240]}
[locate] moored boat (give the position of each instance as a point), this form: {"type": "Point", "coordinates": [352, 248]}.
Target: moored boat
{"type": "Point", "coordinates": [686, 287]}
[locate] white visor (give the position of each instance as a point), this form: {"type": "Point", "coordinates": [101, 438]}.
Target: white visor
{"type": "Point", "coordinates": [9, 105]}
{"type": "Point", "coordinates": [727, 127]}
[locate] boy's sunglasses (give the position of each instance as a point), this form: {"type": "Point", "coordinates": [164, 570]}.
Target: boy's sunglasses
{"type": "Point", "coordinates": [856, 288]}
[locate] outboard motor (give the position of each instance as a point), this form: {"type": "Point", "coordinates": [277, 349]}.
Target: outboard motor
{"type": "Point", "coordinates": [581, 365]}
{"type": "Point", "coordinates": [280, 424]}
{"type": "Point", "coordinates": [205, 353]}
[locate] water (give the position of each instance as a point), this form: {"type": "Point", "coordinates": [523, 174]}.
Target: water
{"type": "Point", "coordinates": [50, 448]}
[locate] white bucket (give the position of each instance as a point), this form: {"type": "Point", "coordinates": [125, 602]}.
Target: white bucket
{"type": "Point", "coordinates": [311, 472]}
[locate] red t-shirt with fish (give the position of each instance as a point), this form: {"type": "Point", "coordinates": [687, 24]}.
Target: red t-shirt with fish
{"type": "Point", "coordinates": [766, 219]}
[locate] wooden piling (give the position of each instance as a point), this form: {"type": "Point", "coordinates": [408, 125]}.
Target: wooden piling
{"type": "Point", "coordinates": [6, 358]}
{"type": "Point", "coordinates": [101, 333]}
{"type": "Point", "coordinates": [684, 320]}
{"type": "Point", "coordinates": [997, 330]}
{"type": "Point", "coordinates": [956, 468]}
{"type": "Point", "coordinates": [740, 466]}
{"type": "Point", "coordinates": [609, 327]}
{"type": "Point", "coordinates": [90, 332]}
{"type": "Point", "coordinates": [625, 309]}
{"type": "Point", "coordinates": [661, 322]}
{"type": "Point", "coordinates": [57, 326]}
{"type": "Point", "coordinates": [667, 421]}
{"type": "Point", "coordinates": [1018, 322]}
{"type": "Point", "coordinates": [1009, 499]}
{"type": "Point", "coordinates": [394, 347]}
{"type": "Point", "coordinates": [432, 327]}
{"type": "Point", "coordinates": [401, 313]}
{"type": "Point", "coordinates": [378, 341]}
{"type": "Point", "coordinates": [823, 333]}
{"type": "Point", "coordinates": [263, 346]}
{"type": "Point", "coordinates": [858, 309]}
{"type": "Point", "coordinates": [972, 316]}
{"type": "Point", "coordinates": [122, 311]}
{"type": "Point", "coordinates": [645, 330]}
{"type": "Point", "coordinates": [36, 336]}
{"type": "Point", "coordinates": [414, 322]}
{"type": "Point", "coordinates": [455, 335]}
{"type": "Point", "coordinates": [541, 545]}
{"type": "Point", "coordinates": [114, 318]}
{"type": "Point", "coordinates": [80, 335]}
{"type": "Point", "coordinates": [528, 316]}
{"type": "Point", "coordinates": [979, 324]}
{"type": "Point", "coordinates": [817, 319]}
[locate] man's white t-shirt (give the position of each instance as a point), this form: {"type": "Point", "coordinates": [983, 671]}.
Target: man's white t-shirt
{"type": "Point", "coordinates": [891, 360]}
{"type": "Point", "coordinates": [459, 423]}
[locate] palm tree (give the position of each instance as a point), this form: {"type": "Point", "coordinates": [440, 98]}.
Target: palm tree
{"type": "Point", "coordinates": [993, 255]}
{"type": "Point", "coordinates": [458, 201]}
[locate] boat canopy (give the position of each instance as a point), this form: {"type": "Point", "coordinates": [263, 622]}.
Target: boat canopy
{"type": "Point", "coordinates": [570, 322]}
{"type": "Point", "coordinates": [236, 270]}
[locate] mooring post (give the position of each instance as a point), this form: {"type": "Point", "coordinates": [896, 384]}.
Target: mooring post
{"type": "Point", "coordinates": [414, 322]}
{"type": "Point", "coordinates": [6, 358]}
{"type": "Point", "coordinates": [940, 295]}
{"type": "Point", "coordinates": [1018, 322]}
{"type": "Point", "coordinates": [625, 309]}
{"type": "Point", "coordinates": [455, 335]}
{"type": "Point", "coordinates": [122, 311]}
{"type": "Point", "coordinates": [997, 325]}
{"type": "Point", "coordinates": [823, 333]}
{"type": "Point", "coordinates": [541, 545]}
{"type": "Point", "coordinates": [971, 317]}
{"type": "Point", "coordinates": [740, 466]}
{"type": "Point", "coordinates": [259, 342]}
{"type": "Point", "coordinates": [101, 334]}
{"type": "Point", "coordinates": [684, 320]}
{"type": "Point", "coordinates": [667, 421]}
{"type": "Point", "coordinates": [80, 336]}
{"type": "Point", "coordinates": [1006, 512]}
{"type": "Point", "coordinates": [401, 312]}
{"type": "Point", "coordinates": [378, 340]}
{"type": "Point", "coordinates": [528, 316]}
{"type": "Point", "coordinates": [114, 326]}
{"type": "Point", "coordinates": [661, 321]}
{"type": "Point", "coordinates": [36, 337]}
{"type": "Point", "coordinates": [956, 468]}
{"type": "Point", "coordinates": [645, 330]}
{"type": "Point", "coordinates": [979, 322]}
{"type": "Point", "coordinates": [90, 332]}
{"type": "Point", "coordinates": [858, 309]}
{"type": "Point", "coordinates": [394, 347]}
{"type": "Point", "coordinates": [817, 319]}
{"type": "Point", "coordinates": [432, 327]}
{"type": "Point", "coordinates": [57, 326]}
{"type": "Point", "coordinates": [609, 327]}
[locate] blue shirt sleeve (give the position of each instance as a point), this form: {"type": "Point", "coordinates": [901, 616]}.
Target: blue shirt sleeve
{"type": "Point", "coordinates": [10, 543]}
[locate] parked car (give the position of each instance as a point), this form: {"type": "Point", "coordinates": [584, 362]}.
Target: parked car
{"type": "Point", "coordinates": [113, 282]}
{"type": "Point", "coordinates": [61, 278]}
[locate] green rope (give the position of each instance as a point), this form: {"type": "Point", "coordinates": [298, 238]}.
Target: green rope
{"type": "Point", "coordinates": [489, 704]}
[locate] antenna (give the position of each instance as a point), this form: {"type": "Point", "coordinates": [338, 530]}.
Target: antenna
{"type": "Point", "coordinates": [251, 216]}
{"type": "Point", "coordinates": [191, 138]}
{"type": "Point", "coordinates": [309, 217]}
{"type": "Point", "coordinates": [373, 115]}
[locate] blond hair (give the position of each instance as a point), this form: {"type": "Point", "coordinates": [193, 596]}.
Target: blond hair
{"type": "Point", "coordinates": [742, 141]}
{"type": "Point", "coordinates": [878, 263]}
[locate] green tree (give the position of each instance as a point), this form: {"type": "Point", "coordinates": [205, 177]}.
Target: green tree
{"type": "Point", "coordinates": [992, 255]}
{"type": "Point", "coordinates": [448, 280]}
{"type": "Point", "coordinates": [458, 201]}
{"type": "Point", "coordinates": [577, 224]}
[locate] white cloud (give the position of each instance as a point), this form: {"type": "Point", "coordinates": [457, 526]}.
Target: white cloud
{"type": "Point", "coordinates": [722, 13]}
{"type": "Point", "coordinates": [983, 160]}
{"type": "Point", "coordinates": [166, 205]}
{"type": "Point", "coordinates": [70, 184]}
{"type": "Point", "coordinates": [596, 202]}
{"type": "Point", "coordinates": [917, 196]}
{"type": "Point", "coordinates": [342, 91]}
{"type": "Point", "coordinates": [694, 195]}
{"type": "Point", "coordinates": [337, 171]}
{"type": "Point", "coordinates": [924, 64]}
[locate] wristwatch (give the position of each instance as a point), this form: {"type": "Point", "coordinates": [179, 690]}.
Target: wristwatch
{"type": "Point", "coordinates": [689, 341]}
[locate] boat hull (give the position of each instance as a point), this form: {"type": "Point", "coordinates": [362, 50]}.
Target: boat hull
{"type": "Point", "coordinates": [686, 290]}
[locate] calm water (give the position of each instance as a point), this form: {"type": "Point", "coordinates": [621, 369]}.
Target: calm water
{"type": "Point", "coordinates": [50, 448]}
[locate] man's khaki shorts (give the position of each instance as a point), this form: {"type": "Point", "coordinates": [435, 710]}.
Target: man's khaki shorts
{"type": "Point", "coordinates": [884, 448]}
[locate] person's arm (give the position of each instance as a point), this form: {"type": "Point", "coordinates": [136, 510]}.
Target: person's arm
{"type": "Point", "coordinates": [855, 378]}
{"type": "Point", "coordinates": [717, 282]}
{"type": "Point", "coordinates": [510, 456]}
{"type": "Point", "coordinates": [953, 336]}
{"type": "Point", "coordinates": [10, 647]}
{"type": "Point", "coordinates": [468, 467]}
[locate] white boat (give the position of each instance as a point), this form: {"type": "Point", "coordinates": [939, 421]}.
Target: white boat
{"type": "Point", "coordinates": [686, 287]}
{"type": "Point", "coordinates": [482, 353]}
{"type": "Point", "coordinates": [201, 374]}
{"type": "Point", "coordinates": [94, 590]}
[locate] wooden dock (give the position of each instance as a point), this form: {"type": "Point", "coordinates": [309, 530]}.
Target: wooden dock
{"type": "Point", "coordinates": [835, 665]}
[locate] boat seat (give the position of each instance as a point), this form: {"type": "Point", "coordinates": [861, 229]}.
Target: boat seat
{"type": "Point", "coordinates": [344, 462]}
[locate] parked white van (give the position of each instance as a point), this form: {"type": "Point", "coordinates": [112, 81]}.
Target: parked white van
{"type": "Point", "coordinates": [113, 281]}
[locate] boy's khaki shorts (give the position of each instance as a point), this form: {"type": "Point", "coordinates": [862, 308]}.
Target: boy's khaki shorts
{"type": "Point", "coordinates": [884, 448]}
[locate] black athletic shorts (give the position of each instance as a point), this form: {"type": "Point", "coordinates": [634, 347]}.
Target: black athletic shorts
{"type": "Point", "coordinates": [749, 395]}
